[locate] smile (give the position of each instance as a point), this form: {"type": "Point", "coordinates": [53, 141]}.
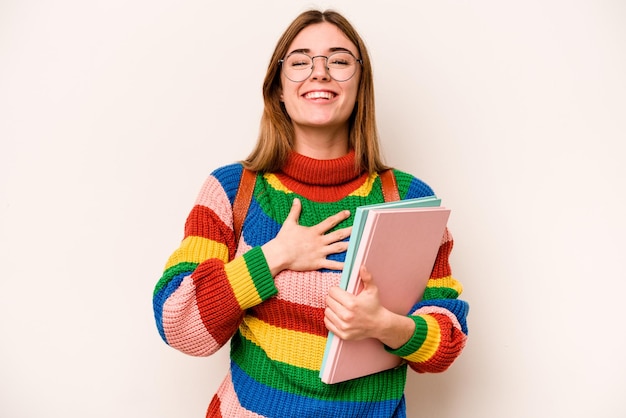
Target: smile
{"type": "Point", "coordinates": [319, 95]}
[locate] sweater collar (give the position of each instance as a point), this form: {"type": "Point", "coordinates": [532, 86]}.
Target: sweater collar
{"type": "Point", "coordinates": [314, 172]}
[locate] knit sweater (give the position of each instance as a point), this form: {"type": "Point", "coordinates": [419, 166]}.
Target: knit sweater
{"type": "Point", "coordinates": [211, 293]}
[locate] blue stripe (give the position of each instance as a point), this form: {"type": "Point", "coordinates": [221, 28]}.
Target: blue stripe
{"type": "Point", "coordinates": [271, 402]}
{"type": "Point", "coordinates": [229, 177]}
{"type": "Point", "coordinates": [459, 308]}
{"type": "Point", "coordinates": [161, 296]}
{"type": "Point", "coordinates": [418, 188]}
{"type": "Point", "coordinates": [258, 228]}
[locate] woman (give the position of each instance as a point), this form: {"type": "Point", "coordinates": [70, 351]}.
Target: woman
{"type": "Point", "coordinates": [274, 295]}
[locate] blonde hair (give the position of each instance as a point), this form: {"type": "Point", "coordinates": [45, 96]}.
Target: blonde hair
{"type": "Point", "coordinates": [276, 133]}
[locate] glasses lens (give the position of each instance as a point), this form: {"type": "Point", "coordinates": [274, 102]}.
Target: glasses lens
{"type": "Point", "coordinates": [341, 66]}
{"type": "Point", "coordinates": [297, 67]}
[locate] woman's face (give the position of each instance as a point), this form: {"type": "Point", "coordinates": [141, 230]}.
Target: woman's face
{"type": "Point", "coordinates": [320, 101]}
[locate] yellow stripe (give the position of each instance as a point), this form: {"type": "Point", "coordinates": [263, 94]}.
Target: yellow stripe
{"type": "Point", "coordinates": [363, 190]}
{"type": "Point", "coordinates": [430, 344]}
{"type": "Point", "coordinates": [366, 187]}
{"type": "Point", "coordinates": [292, 347]}
{"type": "Point", "coordinates": [273, 181]}
{"type": "Point", "coordinates": [197, 250]}
{"type": "Point", "coordinates": [448, 281]}
{"type": "Point", "coordinates": [243, 286]}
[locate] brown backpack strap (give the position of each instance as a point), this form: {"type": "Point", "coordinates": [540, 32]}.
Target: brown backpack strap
{"type": "Point", "coordinates": [390, 186]}
{"type": "Point", "coordinates": [242, 201]}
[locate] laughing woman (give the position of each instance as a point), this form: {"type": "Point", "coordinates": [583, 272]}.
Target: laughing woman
{"type": "Point", "coordinates": [270, 288]}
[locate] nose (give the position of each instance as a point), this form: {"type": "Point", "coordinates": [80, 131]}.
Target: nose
{"type": "Point", "coordinates": [320, 71]}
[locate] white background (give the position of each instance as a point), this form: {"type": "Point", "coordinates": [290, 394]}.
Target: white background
{"type": "Point", "coordinates": [113, 112]}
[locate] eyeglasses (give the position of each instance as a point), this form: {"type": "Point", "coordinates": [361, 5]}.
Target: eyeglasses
{"type": "Point", "coordinates": [341, 65]}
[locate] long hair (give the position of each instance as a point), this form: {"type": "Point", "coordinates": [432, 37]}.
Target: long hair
{"type": "Point", "coordinates": [276, 133]}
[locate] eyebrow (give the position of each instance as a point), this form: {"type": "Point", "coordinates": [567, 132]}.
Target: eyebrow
{"type": "Point", "coordinates": [308, 51]}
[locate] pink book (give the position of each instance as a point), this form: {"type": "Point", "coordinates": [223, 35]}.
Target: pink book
{"type": "Point", "coordinates": [399, 247]}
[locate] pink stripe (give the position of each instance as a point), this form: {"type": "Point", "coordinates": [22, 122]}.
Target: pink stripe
{"type": "Point", "coordinates": [436, 309]}
{"type": "Point", "coordinates": [183, 325]}
{"type": "Point", "coordinates": [212, 195]}
{"type": "Point", "coordinates": [243, 247]}
{"type": "Point", "coordinates": [229, 404]}
{"type": "Point", "coordinates": [306, 288]}
{"type": "Point", "coordinates": [447, 236]}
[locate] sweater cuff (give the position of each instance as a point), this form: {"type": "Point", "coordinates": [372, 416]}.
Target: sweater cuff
{"type": "Point", "coordinates": [415, 342]}
{"type": "Point", "coordinates": [251, 279]}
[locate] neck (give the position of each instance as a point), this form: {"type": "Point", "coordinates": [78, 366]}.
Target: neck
{"type": "Point", "coordinates": [319, 144]}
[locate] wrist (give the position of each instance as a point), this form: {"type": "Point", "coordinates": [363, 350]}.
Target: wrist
{"type": "Point", "coordinates": [275, 257]}
{"type": "Point", "coordinates": [396, 330]}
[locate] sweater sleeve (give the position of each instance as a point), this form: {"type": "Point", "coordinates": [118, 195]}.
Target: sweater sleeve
{"type": "Point", "coordinates": [204, 290]}
{"type": "Point", "coordinates": [440, 317]}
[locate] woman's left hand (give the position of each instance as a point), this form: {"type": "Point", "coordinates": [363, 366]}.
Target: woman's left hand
{"type": "Point", "coordinates": [355, 317]}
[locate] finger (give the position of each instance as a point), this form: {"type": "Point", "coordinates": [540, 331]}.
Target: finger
{"type": "Point", "coordinates": [331, 304]}
{"type": "Point", "coordinates": [335, 248]}
{"type": "Point", "coordinates": [366, 278]}
{"type": "Point", "coordinates": [294, 211]}
{"type": "Point", "coordinates": [335, 311]}
{"type": "Point", "coordinates": [342, 302]}
{"type": "Point", "coordinates": [332, 265]}
{"type": "Point", "coordinates": [330, 325]}
{"type": "Point", "coordinates": [335, 293]}
{"type": "Point", "coordinates": [339, 235]}
{"type": "Point", "coordinates": [332, 221]}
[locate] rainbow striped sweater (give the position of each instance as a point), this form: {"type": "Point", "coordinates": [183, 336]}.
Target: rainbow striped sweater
{"type": "Point", "coordinates": [211, 293]}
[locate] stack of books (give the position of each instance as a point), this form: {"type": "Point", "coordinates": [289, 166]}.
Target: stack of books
{"type": "Point", "coordinates": [398, 243]}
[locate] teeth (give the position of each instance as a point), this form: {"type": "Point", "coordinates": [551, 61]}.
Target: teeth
{"type": "Point", "coordinates": [319, 95]}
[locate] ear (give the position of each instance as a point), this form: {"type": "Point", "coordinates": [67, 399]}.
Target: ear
{"type": "Point", "coordinates": [279, 90]}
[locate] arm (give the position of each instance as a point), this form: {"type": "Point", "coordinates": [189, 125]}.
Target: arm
{"type": "Point", "coordinates": [430, 338]}
{"type": "Point", "coordinates": [433, 335]}
{"type": "Point", "coordinates": [205, 291]}
{"type": "Point", "coordinates": [202, 295]}
{"type": "Point", "coordinates": [353, 317]}
{"type": "Point", "coordinates": [440, 318]}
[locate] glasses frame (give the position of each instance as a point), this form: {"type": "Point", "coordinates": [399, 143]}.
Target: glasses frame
{"type": "Point", "coordinates": [326, 57]}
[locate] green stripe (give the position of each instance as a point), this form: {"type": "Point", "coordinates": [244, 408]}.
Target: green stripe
{"type": "Point", "coordinates": [440, 293]}
{"type": "Point", "coordinates": [173, 271]}
{"type": "Point", "coordinates": [276, 204]}
{"type": "Point", "coordinates": [404, 181]}
{"type": "Point", "coordinates": [416, 341]}
{"type": "Point", "coordinates": [260, 273]}
{"type": "Point", "coordinates": [254, 362]}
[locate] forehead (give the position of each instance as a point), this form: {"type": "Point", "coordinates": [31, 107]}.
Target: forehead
{"type": "Point", "coordinates": [321, 38]}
